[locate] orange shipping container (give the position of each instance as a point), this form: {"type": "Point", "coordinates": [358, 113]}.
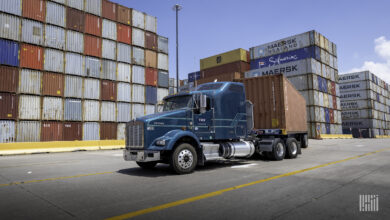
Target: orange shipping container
{"type": "Point", "coordinates": [8, 106]}
{"type": "Point", "coordinates": [123, 33]}
{"type": "Point", "coordinates": [276, 103]}
{"type": "Point", "coordinates": [238, 66]}
{"type": "Point", "coordinates": [34, 9]}
{"type": "Point", "coordinates": [108, 90]}
{"type": "Point", "coordinates": [9, 79]}
{"type": "Point", "coordinates": [150, 59]}
{"type": "Point", "coordinates": [73, 131]}
{"type": "Point", "coordinates": [151, 77]}
{"type": "Point", "coordinates": [150, 41]}
{"type": "Point", "coordinates": [92, 46]}
{"type": "Point", "coordinates": [108, 131]}
{"type": "Point", "coordinates": [51, 131]}
{"type": "Point", "coordinates": [109, 10]}
{"type": "Point", "coordinates": [31, 56]}
{"type": "Point", "coordinates": [75, 20]}
{"type": "Point", "coordinates": [53, 84]}
{"type": "Point", "coordinates": [124, 15]}
{"type": "Point", "coordinates": [93, 25]}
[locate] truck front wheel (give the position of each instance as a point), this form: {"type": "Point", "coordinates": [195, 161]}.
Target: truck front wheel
{"type": "Point", "coordinates": [147, 165]}
{"type": "Point", "coordinates": [184, 159]}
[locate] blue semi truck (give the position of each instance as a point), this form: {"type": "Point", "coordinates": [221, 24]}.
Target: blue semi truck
{"type": "Point", "coordinates": [215, 122]}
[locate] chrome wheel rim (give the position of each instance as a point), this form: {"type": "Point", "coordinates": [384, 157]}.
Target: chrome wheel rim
{"type": "Point", "coordinates": [294, 148]}
{"type": "Point", "coordinates": [279, 149]}
{"type": "Point", "coordinates": [185, 159]}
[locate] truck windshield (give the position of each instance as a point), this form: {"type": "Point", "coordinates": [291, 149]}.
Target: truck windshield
{"type": "Point", "coordinates": [177, 103]}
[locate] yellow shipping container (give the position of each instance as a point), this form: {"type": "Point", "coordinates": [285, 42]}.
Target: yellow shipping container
{"type": "Point", "coordinates": [224, 58]}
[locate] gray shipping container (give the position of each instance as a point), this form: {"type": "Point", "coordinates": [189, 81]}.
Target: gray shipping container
{"type": "Point", "coordinates": [28, 131]}
{"type": "Point", "coordinates": [55, 14]}
{"type": "Point", "coordinates": [124, 72]}
{"type": "Point", "coordinates": [361, 123]}
{"type": "Point", "coordinates": [138, 19]}
{"type": "Point", "coordinates": [93, 7]}
{"type": "Point", "coordinates": [124, 53]}
{"type": "Point", "coordinates": [74, 41]}
{"type": "Point", "coordinates": [138, 75]}
{"type": "Point", "coordinates": [52, 109]}
{"type": "Point", "coordinates": [109, 29]}
{"type": "Point", "coordinates": [150, 23]}
{"type": "Point", "coordinates": [355, 95]}
{"type": "Point", "coordinates": [74, 87]}
{"type": "Point", "coordinates": [73, 110]}
{"type": "Point", "coordinates": [75, 4]}
{"type": "Point", "coordinates": [137, 110]}
{"type": "Point", "coordinates": [163, 79]}
{"type": "Point", "coordinates": [92, 67]}
{"type": "Point", "coordinates": [108, 111]}
{"type": "Point", "coordinates": [123, 92]}
{"type": "Point", "coordinates": [32, 32]}
{"type": "Point", "coordinates": [91, 110]}
{"type": "Point", "coordinates": [162, 61]}
{"type": "Point", "coordinates": [108, 70]}
{"type": "Point", "coordinates": [161, 93]}
{"type": "Point", "coordinates": [74, 64]}
{"type": "Point", "coordinates": [162, 44]}
{"type": "Point", "coordinates": [30, 82]}
{"type": "Point", "coordinates": [54, 60]}
{"type": "Point", "coordinates": [354, 86]}
{"type": "Point", "coordinates": [138, 56]}
{"type": "Point", "coordinates": [149, 109]}
{"type": "Point", "coordinates": [9, 26]}
{"type": "Point", "coordinates": [360, 114]}
{"type": "Point", "coordinates": [11, 6]}
{"type": "Point", "coordinates": [54, 37]}
{"type": "Point", "coordinates": [124, 112]}
{"type": "Point", "coordinates": [138, 94]}
{"type": "Point", "coordinates": [353, 77]}
{"type": "Point", "coordinates": [109, 49]}
{"type": "Point", "coordinates": [91, 89]}
{"type": "Point", "coordinates": [121, 131]}
{"type": "Point", "coordinates": [91, 131]}
{"type": "Point", "coordinates": [7, 132]}
{"type": "Point", "coordinates": [138, 37]}
{"type": "Point", "coordinates": [29, 107]}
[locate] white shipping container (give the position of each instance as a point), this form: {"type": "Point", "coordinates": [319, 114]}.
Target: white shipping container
{"type": "Point", "coordinates": [162, 61]}
{"type": "Point", "coordinates": [74, 64]}
{"type": "Point", "coordinates": [109, 49]}
{"type": "Point", "coordinates": [124, 53]}
{"type": "Point", "coordinates": [361, 123]}
{"type": "Point", "coordinates": [7, 132]}
{"type": "Point", "coordinates": [150, 23]}
{"type": "Point", "coordinates": [137, 111]}
{"type": "Point", "coordinates": [124, 112]}
{"type": "Point", "coordinates": [138, 56]}
{"type": "Point", "coordinates": [92, 67]}
{"type": "Point", "coordinates": [9, 26]}
{"type": "Point", "coordinates": [124, 92]}
{"type": "Point", "coordinates": [161, 93]}
{"type": "Point", "coordinates": [74, 41]}
{"type": "Point", "coordinates": [124, 72]}
{"type": "Point", "coordinates": [149, 109]}
{"type": "Point", "coordinates": [93, 7]}
{"type": "Point", "coordinates": [11, 6]}
{"type": "Point", "coordinates": [52, 109]}
{"type": "Point", "coordinates": [74, 86]}
{"type": "Point", "coordinates": [121, 135]}
{"type": "Point", "coordinates": [108, 70]}
{"type": "Point", "coordinates": [353, 77]}
{"type": "Point", "coordinates": [330, 101]}
{"type": "Point", "coordinates": [162, 44]}
{"type": "Point", "coordinates": [91, 88]}
{"type": "Point", "coordinates": [321, 99]}
{"type": "Point", "coordinates": [138, 94]}
{"type": "Point", "coordinates": [32, 32]}
{"type": "Point", "coordinates": [28, 131]}
{"type": "Point", "coordinates": [355, 95]}
{"type": "Point", "coordinates": [91, 131]}
{"type": "Point", "coordinates": [75, 4]}
{"type": "Point", "coordinates": [59, 1]}
{"type": "Point", "coordinates": [91, 110]}
{"type": "Point", "coordinates": [29, 107]}
{"type": "Point", "coordinates": [355, 86]}
{"type": "Point", "coordinates": [138, 37]}
{"type": "Point", "coordinates": [138, 75]}
{"type": "Point", "coordinates": [30, 82]}
{"type": "Point", "coordinates": [109, 29]}
{"type": "Point", "coordinates": [55, 14]}
{"type": "Point", "coordinates": [138, 19]}
{"type": "Point", "coordinates": [108, 111]}
{"type": "Point", "coordinates": [54, 37]}
{"type": "Point", "coordinates": [54, 60]}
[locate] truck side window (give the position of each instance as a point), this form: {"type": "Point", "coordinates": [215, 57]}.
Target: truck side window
{"type": "Point", "coordinates": [197, 103]}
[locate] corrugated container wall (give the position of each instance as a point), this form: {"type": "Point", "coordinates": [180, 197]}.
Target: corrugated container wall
{"type": "Point", "coordinates": [28, 131]}
{"type": "Point", "coordinates": [54, 60]}
{"type": "Point", "coordinates": [109, 10]}
{"type": "Point", "coordinates": [7, 131]}
{"type": "Point", "coordinates": [8, 106]}
{"type": "Point", "coordinates": [31, 56]}
{"type": "Point", "coordinates": [151, 77]}
{"type": "Point", "coordinates": [91, 131]}
{"type": "Point", "coordinates": [73, 86]}
{"type": "Point", "coordinates": [9, 27]}
{"type": "Point", "coordinates": [138, 94]}
{"type": "Point", "coordinates": [163, 79]}
{"type": "Point", "coordinates": [161, 93]}
{"type": "Point", "coordinates": [29, 107]}
{"type": "Point", "coordinates": [93, 6]}
{"type": "Point", "coordinates": [75, 4]}
{"type": "Point", "coordinates": [137, 110]}
{"type": "Point", "coordinates": [32, 32]}
{"type": "Point", "coordinates": [108, 90]}
{"type": "Point", "coordinates": [73, 110]}
{"type": "Point", "coordinates": [124, 92]}
{"type": "Point", "coordinates": [52, 131]}
{"type": "Point", "coordinates": [108, 70]}
{"type": "Point", "coordinates": [74, 41]}
{"type": "Point", "coordinates": [52, 109]}
{"type": "Point", "coordinates": [108, 111]}
{"type": "Point", "coordinates": [92, 67]}
{"type": "Point", "coordinates": [123, 110]}
{"type": "Point", "coordinates": [151, 95]}
{"type": "Point", "coordinates": [150, 41]}
{"type": "Point", "coordinates": [30, 82]}
{"type": "Point", "coordinates": [109, 49]}
{"type": "Point", "coordinates": [149, 109]}
{"type": "Point", "coordinates": [59, 1]}
{"type": "Point", "coordinates": [150, 59]}
{"type": "Point", "coordinates": [55, 14]}
{"type": "Point", "coordinates": [124, 53]}
{"type": "Point", "coordinates": [138, 37]}
{"type": "Point", "coordinates": [34, 9]}
{"type": "Point", "coordinates": [91, 88]}
{"type": "Point", "coordinates": [9, 53]}
{"type": "Point", "coordinates": [9, 79]}
{"type": "Point", "coordinates": [121, 131]}
{"type": "Point", "coordinates": [124, 33]}
{"type": "Point", "coordinates": [124, 15]}
{"type": "Point", "coordinates": [55, 37]}
{"type": "Point", "coordinates": [138, 19]}
{"type": "Point", "coordinates": [162, 61]}
{"type": "Point", "coordinates": [108, 131]}
{"type": "Point", "coordinates": [138, 56]}
{"type": "Point", "coordinates": [53, 84]}
{"type": "Point", "coordinates": [73, 131]}
{"type": "Point", "coordinates": [75, 20]}
{"type": "Point", "coordinates": [91, 110]}
{"type": "Point", "coordinates": [150, 23]}
{"type": "Point", "coordinates": [93, 25]}
{"type": "Point", "coordinates": [109, 29]}
{"type": "Point", "coordinates": [11, 6]}
{"type": "Point", "coordinates": [92, 46]}
{"type": "Point", "coordinates": [74, 64]}
{"type": "Point", "coordinates": [225, 58]}
{"type": "Point", "coordinates": [162, 44]}
{"type": "Point", "coordinates": [138, 75]}
{"type": "Point", "coordinates": [124, 72]}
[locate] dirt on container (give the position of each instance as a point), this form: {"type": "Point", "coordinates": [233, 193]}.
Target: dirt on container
{"type": "Point", "coordinates": [92, 46]}
{"type": "Point", "coordinates": [93, 25]}
{"type": "Point", "coordinates": [124, 15]}
{"type": "Point", "coordinates": [108, 90]}
{"type": "Point", "coordinates": [151, 58]}
{"type": "Point", "coordinates": [31, 56]}
{"type": "Point", "coordinates": [34, 9]}
{"type": "Point", "coordinates": [150, 41]}
{"type": "Point", "coordinates": [224, 77]}
{"type": "Point", "coordinates": [109, 10]}
{"type": "Point", "coordinates": [123, 33]}
{"type": "Point", "coordinates": [8, 106]}
{"type": "Point", "coordinates": [151, 76]}
{"type": "Point", "coordinates": [238, 66]}
{"type": "Point", "coordinates": [73, 131]}
{"type": "Point", "coordinates": [53, 84]}
{"type": "Point", "coordinates": [9, 79]}
{"type": "Point", "coordinates": [75, 20]}
{"type": "Point", "coordinates": [52, 131]}
{"type": "Point", "coordinates": [276, 103]}
{"type": "Point", "coordinates": [108, 131]}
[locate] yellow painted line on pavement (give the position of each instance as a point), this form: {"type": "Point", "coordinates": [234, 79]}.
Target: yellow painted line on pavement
{"type": "Point", "coordinates": [336, 136]}
{"type": "Point", "coordinates": [219, 192]}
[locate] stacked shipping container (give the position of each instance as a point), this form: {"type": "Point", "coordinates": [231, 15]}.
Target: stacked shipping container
{"type": "Point", "coordinates": [77, 70]}
{"type": "Point", "coordinates": [365, 104]}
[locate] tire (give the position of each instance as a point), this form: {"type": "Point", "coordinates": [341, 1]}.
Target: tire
{"type": "Point", "coordinates": [304, 142]}
{"type": "Point", "coordinates": [278, 150]}
{"type": "Point", "coordinates": [147, 165]}
{"type": "Point", "coordinates": [184, 159]}
{"type": "Point", "coordinates": [292, 148]}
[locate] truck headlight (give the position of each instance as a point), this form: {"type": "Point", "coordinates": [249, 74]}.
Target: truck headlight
{"type": "Point", "coordinates": [160, 142]}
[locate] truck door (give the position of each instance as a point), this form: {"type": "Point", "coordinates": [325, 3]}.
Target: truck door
{"type": "Point", "coordinates": [203, 125]}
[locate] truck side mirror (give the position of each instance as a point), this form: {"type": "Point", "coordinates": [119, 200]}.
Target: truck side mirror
{"type": "Point", "coordinates": [155, 108]}
{"type": "Point", "coordinates": [203, 103]}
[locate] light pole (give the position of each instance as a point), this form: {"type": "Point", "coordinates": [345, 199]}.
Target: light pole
{"type": "Point", "coordinates": [177, 8]}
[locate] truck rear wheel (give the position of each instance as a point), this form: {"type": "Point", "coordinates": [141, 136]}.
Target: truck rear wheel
{"type": "Point", "coordinates": [304, 142]}
{"type": "Point", "coordinates": [292, 148]}
{"type": "Point", "coordinates": [184, 159]}
{"type": "Point", "coordinates": [147, 165]}
{"type": "Point", "coordinates": [278, 150]}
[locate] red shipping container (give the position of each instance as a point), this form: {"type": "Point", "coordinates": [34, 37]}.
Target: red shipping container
{"type": "Point", "coordinates": [92, 46]}
{"type": "Point", "coordinates": [150, 41]}
{"type": "Point", "coordinates": [53, 84]}
{"type": "Point", "coordinates": [334, 102]}
{"type": "Point", "coordinates": [8, 106]}
{"type": "Point", "coordinates": [109, 10]}
{"type": "Point", "coordinates": [333, 89]}
{"type": "Point", "coordinates": [93, 25]}
{"type": "Point", "coordinates": [75, 20]}
{"type": "Point", "coordinates": [151, 77]}
{"type": "Point", "coordinates": [51, 131]}
{"type": "Point", "coordinates": [123, 33]}
{"type": "Point", "coordinates": [73, 131]}
{"type": "Point", "coordinates": [124, 15]}
{"type": "Point", "coordinates": [9, 79]}
{"type": "Point", "coordinates": [31, 56]}
{"type": "Point", "coordinates": [34, 9]}
{"type": "Point", "coordinates": [331, 116]}
{"type": "Point", "coordinates": [108, 90]}
{"type": "Point", "coordinates": [108, 131]}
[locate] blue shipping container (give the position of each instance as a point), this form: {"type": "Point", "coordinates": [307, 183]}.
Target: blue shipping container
{"type": "Point", "coordinates": [327, 128]}
{"type": "Point", "coordinates": [193, 76]}
{"type": "Point", "coordinates": [151, 95]}
{"type": "Point", "coordinates": [327, 117]}
{"type": "Point", "coordinates": [9, 51]}
{"type": "Point", "coordinates": [324, 85]}
{"type": "Point", "coordinates": [319, 83]}
{"type": "Point", "coordinates": [303, 53]}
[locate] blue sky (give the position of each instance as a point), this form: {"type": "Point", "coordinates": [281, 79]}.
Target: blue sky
{"type": "Point", "coordinates": [360, 28]}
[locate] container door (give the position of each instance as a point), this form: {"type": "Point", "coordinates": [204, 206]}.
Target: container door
{"type": "Point", "coordinates": [203, 122]}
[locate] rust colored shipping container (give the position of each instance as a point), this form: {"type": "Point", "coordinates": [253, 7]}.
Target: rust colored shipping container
{"type": "Point", "coordinates": [331, 115]}
{"type": "Point", "coordinates": [108, 131]}
{"type": "Point", "coordinates": [9, 79]}
{"type": "Point", "coordinates": [334, 102]}
{"type": "Point", "coordinates": [124, 15]}
{"type": "Point", "coordinates": [53, 84]}
{"type": "Point", "coordinates": [75, 20]}
{"type": "Point", "coordinates": [8, 106]}
{"type": "Point", "coordinates": [150, 59]}
{"type": "Point", "coordinates": [92, 46]}
{"type": "Point", "coordinates": [52, 131]}
{"type": "Point", "coordinates": [150, 41]}
{"type": "Point", "coordinates": [108, 90]}
{"type": "Point", "coordinates": [238, 66]}
{"type": "Point", "coordinates": [109, 10]}
{"type": "Point", "coordinates": [73, 131]}
{"type": "Point", "coordinates": [229, 77]}
{"type": "Point", "coordinates": [34, 9]}
{"type": "Point", "coordinates": [276, 103]}
{"type": "Point", "coordinates": [93, 25]}
{"type": "Point", "coordinates": [151, 76]}
{"type": "Point", "coordinates": [31, 56]}
{"type": "Point", "coordinates": [123, 33]}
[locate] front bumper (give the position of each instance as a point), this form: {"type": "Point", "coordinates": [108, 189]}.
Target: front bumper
{"type": "Point", "coordinates": [141, 155]}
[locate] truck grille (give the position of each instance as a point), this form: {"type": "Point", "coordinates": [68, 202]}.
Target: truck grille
{"type": "Point", "coordinates": [135, 135]}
